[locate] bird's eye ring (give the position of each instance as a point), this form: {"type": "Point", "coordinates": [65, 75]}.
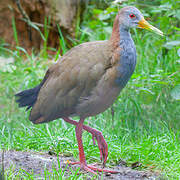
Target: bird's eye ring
{"type": "Point", "coordinates": [132, 16]}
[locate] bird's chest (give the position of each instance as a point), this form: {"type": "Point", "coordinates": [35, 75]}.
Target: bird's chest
{"type": "Point", "coordinates": [126, 63]}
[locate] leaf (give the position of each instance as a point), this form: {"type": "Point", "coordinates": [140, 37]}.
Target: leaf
{"type": "Point", "coordinates": [146, 90]}
{"type": "Point", "coordinates": [118, 1]}
{"type": "Point", "coordinates": [175, 93]}
{"type": "Point", "coordinates": [146, 95]}
{"type": "Point", "coordinates": [103, 16]}
{"type": "Point", "coordinates": [178, 52]}
{"type": "Point", "coordinates": [171, 44]}
{"type": "Point", "coordinates": [164, 7]}
{"type": "Point", "coordinates": [108, 30]}
{"type": "Point", "coordinates": [28, 69]}
{"type": "Point", "coordinates": [177, 15]}
{"type": "Point", "coordinates": [159, 82]}
{"type": "Point", "coordinates": [9, 68]}
{"type": "Point", "coordinates": [4, 61]}
{"type": "Point", "coordinates": [97, 11]}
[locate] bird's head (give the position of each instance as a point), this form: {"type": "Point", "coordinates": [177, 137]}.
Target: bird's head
{"type": "Point", "coordinates": [130, 17]}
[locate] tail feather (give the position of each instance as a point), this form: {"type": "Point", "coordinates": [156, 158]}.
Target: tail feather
{"type": "Point", "coordinates": [28, 97]}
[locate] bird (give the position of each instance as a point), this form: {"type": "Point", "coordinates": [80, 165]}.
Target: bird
{"type": "Point", "coordinates": [86, 81]}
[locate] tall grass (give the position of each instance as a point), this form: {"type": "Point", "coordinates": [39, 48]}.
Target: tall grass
{"type": "Point", "coordinates": [145, 126]}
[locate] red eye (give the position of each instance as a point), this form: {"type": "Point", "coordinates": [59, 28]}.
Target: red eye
{"type": "Point", "coordinates": [132, 16]}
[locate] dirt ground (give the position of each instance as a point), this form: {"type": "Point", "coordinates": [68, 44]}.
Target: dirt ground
{"type": "Point", "coordinates": [36, 162]}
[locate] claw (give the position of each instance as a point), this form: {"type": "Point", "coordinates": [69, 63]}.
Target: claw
{"type": "Point", "coordinates": [93, 169]}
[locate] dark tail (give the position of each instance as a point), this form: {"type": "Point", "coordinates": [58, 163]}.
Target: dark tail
{"type": "Point", "coordinates": [28, 97]}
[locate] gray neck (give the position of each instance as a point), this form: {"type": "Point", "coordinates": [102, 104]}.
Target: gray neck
{"type": "Point", "coordinates": [127, 59]}
{"type": "Point", "coordinates": [124, 33]}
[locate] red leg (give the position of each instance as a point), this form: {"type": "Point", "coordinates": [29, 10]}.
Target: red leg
{"type": "Point", "coordinates": [103, 147]}
{"type": "Point", "coordinates": [83, 164]}
{"type": "Point", "coordinates": [101, 144]}
{"type": "Point", "coordinates": [79, 128]}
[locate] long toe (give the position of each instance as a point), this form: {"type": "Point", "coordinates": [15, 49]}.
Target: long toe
{"type": "Point", "coordinates": [92, 168]}
{"type": "Point", "coordinates": [83, 167]}
{"type": "Point", "coordinates": [86, 168]}
{"type": "Point", "coordinates": [103, 147]}
{"type": "Point", "coordinates": [73, 163]}
{"type": "Point", "coordinates": [101, 169]}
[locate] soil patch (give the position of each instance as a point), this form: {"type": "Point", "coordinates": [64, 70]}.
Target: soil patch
{"type": "Point", "coordinates": [37, 162]}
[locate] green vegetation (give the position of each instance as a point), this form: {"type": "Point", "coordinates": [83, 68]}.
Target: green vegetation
{"type": "Point", "coordinates": [145, 126]}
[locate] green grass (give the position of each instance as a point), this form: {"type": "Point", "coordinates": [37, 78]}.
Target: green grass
{"type": "Point", "coordinates": [145, 126]}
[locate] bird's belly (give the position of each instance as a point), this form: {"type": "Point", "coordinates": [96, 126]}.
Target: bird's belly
{"type": "Point", "coordinates": [97, 103]}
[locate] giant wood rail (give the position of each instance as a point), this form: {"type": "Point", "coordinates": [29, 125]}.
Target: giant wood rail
{"type": "Point", "coordinates": [87, 80]}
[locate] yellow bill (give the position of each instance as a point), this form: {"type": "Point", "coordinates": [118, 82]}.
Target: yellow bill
{"type": "Point", "coordinates": [145, 25]}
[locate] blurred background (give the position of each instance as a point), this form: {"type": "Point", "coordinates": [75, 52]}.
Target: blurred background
{"type": "Point", "coordinates": [143, 124]}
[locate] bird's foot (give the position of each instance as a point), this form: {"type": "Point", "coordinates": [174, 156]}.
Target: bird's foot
{"type": "Point", "coordinates": [102, 145]}
{"type": "Point", "coordinates": [95, 169]}
{"type": "Point", "coordinates": [92, 168]}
